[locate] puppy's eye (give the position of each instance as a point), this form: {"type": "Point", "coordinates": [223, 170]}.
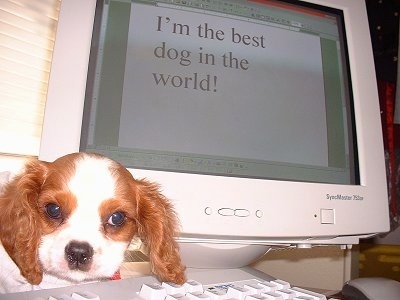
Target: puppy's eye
{"type": "Point", "coordinates": [53, 211]}
{"type": "Point", "coordinates": [116, 219]}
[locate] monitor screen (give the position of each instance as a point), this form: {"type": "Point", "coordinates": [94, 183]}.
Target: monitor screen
{"type": "Point", "coordinates": [256, 89]}
{"type": "Point", "coordinates": [259, 119]}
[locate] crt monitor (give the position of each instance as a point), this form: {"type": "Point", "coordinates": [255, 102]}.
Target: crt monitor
{"type": "Point", "coordinates": [259, 118]}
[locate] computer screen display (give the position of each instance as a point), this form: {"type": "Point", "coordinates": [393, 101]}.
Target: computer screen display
{"type": "Point", "coordinates": [256, 89]}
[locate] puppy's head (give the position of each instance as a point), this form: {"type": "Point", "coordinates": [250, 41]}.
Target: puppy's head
{"type": "Point", "coordinates": [74, 218]}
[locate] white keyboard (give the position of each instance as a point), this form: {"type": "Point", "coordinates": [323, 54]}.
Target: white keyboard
{"type": "Point", "coordinates": [232, 284]}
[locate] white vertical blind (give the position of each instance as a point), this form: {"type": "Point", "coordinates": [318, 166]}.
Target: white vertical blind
{"type": "Point", "coordinates": [27, 32]}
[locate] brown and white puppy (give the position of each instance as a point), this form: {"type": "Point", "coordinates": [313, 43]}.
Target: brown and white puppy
{"type": "Point", "coordinates": [71, 221]}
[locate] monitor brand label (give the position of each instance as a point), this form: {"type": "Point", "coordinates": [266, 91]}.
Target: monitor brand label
{"type": "Point", "coordinates": [344, 197]}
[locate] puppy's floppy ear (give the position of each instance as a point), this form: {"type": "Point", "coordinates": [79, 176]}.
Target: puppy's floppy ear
{"type": "Point", "coordinates": [157, 227]}
{"type": "Point", "coordinates": [20, 226]}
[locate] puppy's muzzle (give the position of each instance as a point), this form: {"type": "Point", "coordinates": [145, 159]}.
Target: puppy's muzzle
{"type": "Point", "coordinates": [79, 255]}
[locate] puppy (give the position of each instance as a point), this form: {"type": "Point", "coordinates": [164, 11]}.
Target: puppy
{"type": "Point", "coordinates": [71, 221]}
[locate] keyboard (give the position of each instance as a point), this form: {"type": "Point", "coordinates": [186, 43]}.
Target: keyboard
{"type": "Point", "coordinates": [203, 284]}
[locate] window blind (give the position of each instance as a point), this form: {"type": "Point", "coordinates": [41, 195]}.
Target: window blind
{"type": "Point", "coordinates": [27, 33]}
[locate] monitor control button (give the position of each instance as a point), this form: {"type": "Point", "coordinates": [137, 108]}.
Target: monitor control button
{"type": "Point", "coordinates": [208, 210]}
{"type": "Point", "coordinates": [327, 216]}
{"type": "Point", "coordinates": [242, 212]}
{"type": "Point", "coordinates": [227, 212]}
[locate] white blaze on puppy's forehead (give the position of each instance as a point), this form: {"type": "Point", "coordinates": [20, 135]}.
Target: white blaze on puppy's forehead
{"type": "Point", "coordinates": [92, 180]}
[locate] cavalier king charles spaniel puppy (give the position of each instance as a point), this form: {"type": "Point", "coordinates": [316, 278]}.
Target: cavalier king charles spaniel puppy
{"type": "Point", "coordinates": [71, 220]}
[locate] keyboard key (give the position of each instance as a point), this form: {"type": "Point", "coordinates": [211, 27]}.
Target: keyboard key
{"type": "Point", "coordinates": [216, 294]}
{"type": "Point", "coordinates": [307, 293]}
{"type": "Point", "coordinates": [61, 297]}
{"type": "Point", "coordinates": [281, 284]}
{"type": "Point", "coordinates": [255, 297]}
{"type": "Point", "coordinates": [197, 296]}
{"type": "Point", "coordinates": [268, 286]}
{"type": "Point", "coordinates": [272, 296]}
{"type": "Point", "coordinates": [176, 297]}
{"type": "Point", "coordinates": [193, 286]}
{"type": "Point", "coordinates": [173, 288]}
{"type": "Point", "coordinates": [85, 296]}
{"type": "Point", "coordinates": [254, 288]}
{"type": "Point", "coordinates": [237, 292]}
{"type": "Point", "coordinates": [153, 291]}
{"type": "Point", "coordinates": [286, 294]}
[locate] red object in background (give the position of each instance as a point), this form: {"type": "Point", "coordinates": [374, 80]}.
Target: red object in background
{"type": "Point", "coordinates": [391, 137]}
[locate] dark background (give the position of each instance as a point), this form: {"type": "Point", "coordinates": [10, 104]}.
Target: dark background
{"type": "Point", "coordinates": [384, 25]}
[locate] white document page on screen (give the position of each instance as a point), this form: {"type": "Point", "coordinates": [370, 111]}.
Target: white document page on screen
{"type": "Point", "coordinates": [195, 83]}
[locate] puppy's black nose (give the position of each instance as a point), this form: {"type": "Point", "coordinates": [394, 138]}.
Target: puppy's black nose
{"type": "Point", "coordinates": [79, 255]}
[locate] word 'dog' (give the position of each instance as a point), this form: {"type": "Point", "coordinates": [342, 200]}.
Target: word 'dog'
{"type": "Point", "coordinates": [183, 56]}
